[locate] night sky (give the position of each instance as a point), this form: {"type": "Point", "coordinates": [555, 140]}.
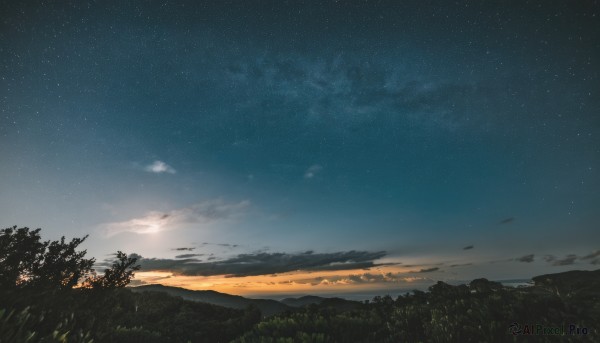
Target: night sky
{"type": "Point", "coordinates": [283, 147]}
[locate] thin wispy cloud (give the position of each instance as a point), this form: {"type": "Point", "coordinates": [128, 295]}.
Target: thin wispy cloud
{"type": "Point", "coordinates": [566, 261]}
{"type": "Point", "coordinates": [204, 213]}
{"type": "Point", "coordinates": [225, 245]}
{"type": "Point", "coordinates": [188, 255]}
{"type": "Point", "coordinates": [184, 249]}
{"type": "Point", "coordinates": [159, 167]}
{"type": "Point", "coordinates": [364, 278]}
{"type": "Point", "coordinates": [527, 258]}
{"type": "Point", "coordinates": [593, 257]}
{"type": "Point", "coordinates": [429, 270]}
{"type": "Point", "coordinates": [312, 171]}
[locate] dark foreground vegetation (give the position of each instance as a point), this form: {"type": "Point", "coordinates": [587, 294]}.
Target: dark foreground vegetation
{"type": "Point", "coordinates": [50, 293]}
{"type": "Point", "coordinates": [482, 311]}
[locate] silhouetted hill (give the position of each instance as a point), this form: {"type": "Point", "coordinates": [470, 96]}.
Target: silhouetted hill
{"type": "Point", "coordinates": [266, 306]}
{"type": "Point", "coordinates": [573, 277]}
{"type": "Point", "coordinates": [580, 282]}
{"type": "Point", "coordinates": [303, 301]}
{"type": "Point", "coordinates": [337, 303]}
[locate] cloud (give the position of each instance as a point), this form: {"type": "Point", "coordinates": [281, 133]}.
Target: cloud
{"type": "Point", "coordinates": [265, 263]}
{"type": "Point", "coordinates": [568, 260]}
{"type": "Point", "coordinates": [226, 245]}
{"type": "Point", "coordinates": [429, 270]}
{"type": "Point", "coordinates": [527, 258]}
{"type": "Point", "coordinates": [468, 247]}
{"type": "Point", "coordinates": [312, 171]}
{"type": "Point", "coordinates": [364, 278]}
{"type": "Point", "coordinates": [184, 249]}
{"type": "Point", "coordinates": [461, 265]}
{"type": "Point", "coordinates": [206, 212]}
{"type": "Point", "coordinates": [159, 167]}
{"type": "Point", "coordinates": [188, 255]}
{"type": "Point", "coordinates": [594, 257]}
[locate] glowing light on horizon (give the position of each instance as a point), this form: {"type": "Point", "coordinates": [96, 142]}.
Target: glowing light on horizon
{"type": "Point", "coordinates": [346, 281]}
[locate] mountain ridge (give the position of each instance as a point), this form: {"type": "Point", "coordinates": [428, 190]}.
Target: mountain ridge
{"type": "Point", "coordinates": [268, 307]}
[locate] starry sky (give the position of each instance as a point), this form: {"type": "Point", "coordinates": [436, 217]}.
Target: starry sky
{"type": "Point", "coordinates": [306, 147]}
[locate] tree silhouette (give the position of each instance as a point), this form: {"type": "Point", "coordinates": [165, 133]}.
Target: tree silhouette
{"type": "Point", "coordinates": [119, 275]}
{"type": "Point", "coordinates": [27, 261]}
{"type": "Point", "coordinates": [62, 266]}
{"type": "Point", "coordinates": [21, 255]}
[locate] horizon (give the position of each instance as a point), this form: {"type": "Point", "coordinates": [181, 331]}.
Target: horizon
{"type": "Point", "coordinates": [327, 148]}
{"type": "Point", "coordinates": [355, 295]}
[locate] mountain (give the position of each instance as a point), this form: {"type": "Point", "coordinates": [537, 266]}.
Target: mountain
{"type": "Point", "coordinates": [582, 282]}
{"type": "Point", "coordinates": [337, 303]}
{"type": "Point", "coordinates": [266, 306]}
{"type": "Point", "coordinates": [303, 301]}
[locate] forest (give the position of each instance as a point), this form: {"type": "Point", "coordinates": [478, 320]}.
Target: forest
{"type": "Point", "coordinates": [49, 292]}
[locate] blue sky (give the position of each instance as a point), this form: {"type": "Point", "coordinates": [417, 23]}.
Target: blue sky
{"type": "Point", "coordinates": [374, 135]}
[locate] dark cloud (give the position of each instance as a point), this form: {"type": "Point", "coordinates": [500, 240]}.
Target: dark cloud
{"type": "Point", "coordinates": [468, 247]}
{"type": "Point", "coordinates": [429, 270]}
{"type": "Point", "coordinates": [265, 263]}
{"type": "Point", "coordinates": [527, 258]}
{"type": "Point", "coordinates": [183, 249]}
{"type": "Point", "coordinates": [507, 220]}
{"type": "Point", "coordinates": [188, 255]}
{"type": "Point", "coordinates": [461, 265]}
{"type": "Point", "coordinates": [568, 260]}
{"type": "Point", "coordinates": [592, 256]}
{"type": "Point", "coordinates": [227, 245]}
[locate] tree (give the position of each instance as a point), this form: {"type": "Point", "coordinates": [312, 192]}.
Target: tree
{"type": "Point", "coordinates": [21, 254]}
{"type": "Point", "coordinates": [119, 275]}
{"type": "Point", "coordinates": [63, 266]}
{"type": "Point", "coordinates": [27, 261]}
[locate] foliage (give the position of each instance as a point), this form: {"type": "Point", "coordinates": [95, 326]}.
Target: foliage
{"type": "Point", "coordinates": [27, 261]}
{"type": "Point", "coordinates": [119, 275]}
{"type": "Point", "coordinates": [50, 293]}
{"type": "Point", "coordinates": [39, 303]}
{"type": "Point", "coordinates": [21, 254]}
{"type": "Point", "coordinates": [479, 312]}
{"type": "Point", "coordinates": [21, 327]}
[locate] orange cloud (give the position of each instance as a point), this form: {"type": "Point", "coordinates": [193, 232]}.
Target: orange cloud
{"type": "Point", "coordinates": [390, 277]}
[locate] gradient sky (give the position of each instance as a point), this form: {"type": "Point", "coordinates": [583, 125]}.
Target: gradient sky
{"type": "Point", "coordinates": [272, 147]}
